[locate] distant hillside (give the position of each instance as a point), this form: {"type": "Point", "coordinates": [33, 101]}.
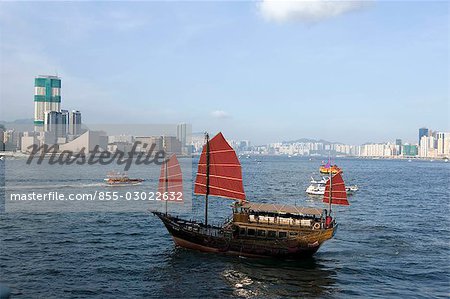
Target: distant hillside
{"type": "Point", "coordinates": [24, 121]}
{"type": "Point", "coordinates": [25, 124]}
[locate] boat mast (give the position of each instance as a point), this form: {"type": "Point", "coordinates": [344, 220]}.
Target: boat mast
{"type": "Point", "coordinates": [166, 168]}
{"type": "Point", "coordinates": [330, 196]}
{"type": "Point", "coordinates": [207, 178]}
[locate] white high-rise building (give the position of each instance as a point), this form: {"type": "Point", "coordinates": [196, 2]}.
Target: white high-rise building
{"type": "Point", "coordinates": [443, 144]}
{"type": "Point", "coordinates": [184, 136]}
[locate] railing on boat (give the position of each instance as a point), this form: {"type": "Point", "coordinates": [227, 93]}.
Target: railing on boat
{"type": "Point", "coordinates": [278, 221]}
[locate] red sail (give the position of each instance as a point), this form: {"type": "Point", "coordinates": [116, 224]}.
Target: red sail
{"type": "Point", "coordinates": [338, 192]}
{"type": "Point", "coordinates": [225, 176]}
{"type": "Point", "coordinates": [173, 181]}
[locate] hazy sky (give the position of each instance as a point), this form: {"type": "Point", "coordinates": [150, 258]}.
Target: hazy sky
{"type": "Point", "coordinates": [343, 71]}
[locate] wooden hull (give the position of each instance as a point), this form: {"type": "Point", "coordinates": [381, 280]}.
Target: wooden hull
{"type": "Point", "coordinates": [225, 240]}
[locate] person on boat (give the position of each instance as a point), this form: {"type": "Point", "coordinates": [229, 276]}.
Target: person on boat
{"type": "Point", "coordinates": [328, 221]}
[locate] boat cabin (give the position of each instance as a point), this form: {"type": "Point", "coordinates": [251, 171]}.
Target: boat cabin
{"type": "Point", "coordinates": [277, 221]}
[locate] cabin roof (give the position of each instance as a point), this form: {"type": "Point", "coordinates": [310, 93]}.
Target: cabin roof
{"type": "Point", "coordinates": [274, 208]}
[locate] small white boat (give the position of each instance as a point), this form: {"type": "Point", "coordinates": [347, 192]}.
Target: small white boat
{"type": "Point", "coordinates": [318, 187]}
{"type": "Point", "coordinates": [351, 188]}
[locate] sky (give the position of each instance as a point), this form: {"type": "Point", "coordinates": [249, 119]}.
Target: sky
{"type": "Point", "coordinates": [267, 71]}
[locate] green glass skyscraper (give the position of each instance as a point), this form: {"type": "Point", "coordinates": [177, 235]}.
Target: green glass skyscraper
{"type": "Point", "coordinates": [47, 97]}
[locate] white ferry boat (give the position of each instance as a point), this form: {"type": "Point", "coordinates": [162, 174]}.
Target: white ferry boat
{"type": "Point", "coordinates": [317, 187]}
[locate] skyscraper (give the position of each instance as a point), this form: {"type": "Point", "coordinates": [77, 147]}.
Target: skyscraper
{"type": "Point", "coordinates": [75, 122]}
{"type": "Point", "coordinates": [423, 132]}
{"type": "Point", "coordinates": [443, 143]}
{"type": "Point", "coordinates": [184, 136]}
{"type": "Point", "coordinates": [56, 123]}
{"type": "Point", "coordinates": [65, 116]}
{"type": "Point", "coordinates": [398, 143]}
{"type": "Point", "coordinates": [47, 97]}
{"type": "Point", "coordinates": [181, 134]}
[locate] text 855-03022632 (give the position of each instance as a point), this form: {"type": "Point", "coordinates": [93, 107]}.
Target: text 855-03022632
{"type": "Point", "coordinates": [137, 195]}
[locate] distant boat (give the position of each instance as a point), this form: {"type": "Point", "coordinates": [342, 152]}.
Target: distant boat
{"type": "Point", "coordinates": [255, 229]}
{"type": "Point", "coordinates": [446, 160]}
{"type": "Point", "coordinates": [121, 179]}
{"type": "Point", "coordinates": [409, 160]}
{"type": "Point", "coordinates": [328, 168]}
{"type": "Point", "coordinates": [318, 187]}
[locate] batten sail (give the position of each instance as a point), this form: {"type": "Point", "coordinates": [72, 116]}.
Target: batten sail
{"type": "Point", "coordinates": [338, 192]}
{"type": "Point", "coordinates": [171, 178]}
{"type": "Point", "coordinates": [225, 174]}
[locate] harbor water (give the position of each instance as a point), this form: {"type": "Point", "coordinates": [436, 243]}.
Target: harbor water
{"type": "Point", "coordinates": [393, 241]}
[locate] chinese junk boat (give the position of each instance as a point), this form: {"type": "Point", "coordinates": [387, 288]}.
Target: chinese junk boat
{"type": "Point", "coordinates": [121, 179]}
{"type": "Point", "coordinates": [255, 229]}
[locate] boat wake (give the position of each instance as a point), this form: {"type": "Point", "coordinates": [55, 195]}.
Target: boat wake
{"type": "Point", "coordinates": [52, 186]}
{"type": "Point", "coordinates": [240, 283]}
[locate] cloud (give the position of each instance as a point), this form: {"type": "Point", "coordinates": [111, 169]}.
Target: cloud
{"type": "Point", "coordinates": [220, 114]}
{"type": "Point", "coordinates": [307, 10]}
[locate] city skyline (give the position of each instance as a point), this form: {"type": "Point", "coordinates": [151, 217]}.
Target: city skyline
{"type": "Point", "coordinates": [214, 65]}
{"type": "Point", "coordinates": [29, 121]}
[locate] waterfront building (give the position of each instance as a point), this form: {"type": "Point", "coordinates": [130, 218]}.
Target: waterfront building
{"type": "Point", "coordinates": [409, 150]}
{"type": "Point", "coordinates": [65, 118]}
{"type": "Point", "coordinates": [53, 122]}
{"type": "Point", "coordinates": [378, 150]}
{"type": "Point", "coordinates": [443, 144]}
{"type": "Point", "coordinates": [11, 139]}
{"type": "Point", "coordinates": [197, 142]}
{"type": "Point", "coordinates": [125, 147]}
{"type": "Point", "coordinates": [47, 97]}
{"type": "Point", "coordinates": [181, 133]}
{"type": "Point", "coordinates": [184, 136]}
{"type": "Point", "coordinates": [28, 139]}
{"type": "Point", "coordinates": [146, 143]}
{"type": "Point", "coordinates": [75, 123]}
{"type": "Point", "coordinates": [87, 141]}
{"type": "Point", "coordinates": [2, 138]}
{"type": "Point", "coordinates": [423, 132]}
{"type": "Point", "coordinates": [427, 147]}
{"type": "Point", "coordinates": [120, 139]}
{"type": "Point", "coordinates": [171, 144]}
{"type": "Point", "coordinates": [398, 143]}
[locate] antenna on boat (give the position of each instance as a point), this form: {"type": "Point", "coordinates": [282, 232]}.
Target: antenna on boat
{"type": "Point", "coordinates": [207, 178]}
